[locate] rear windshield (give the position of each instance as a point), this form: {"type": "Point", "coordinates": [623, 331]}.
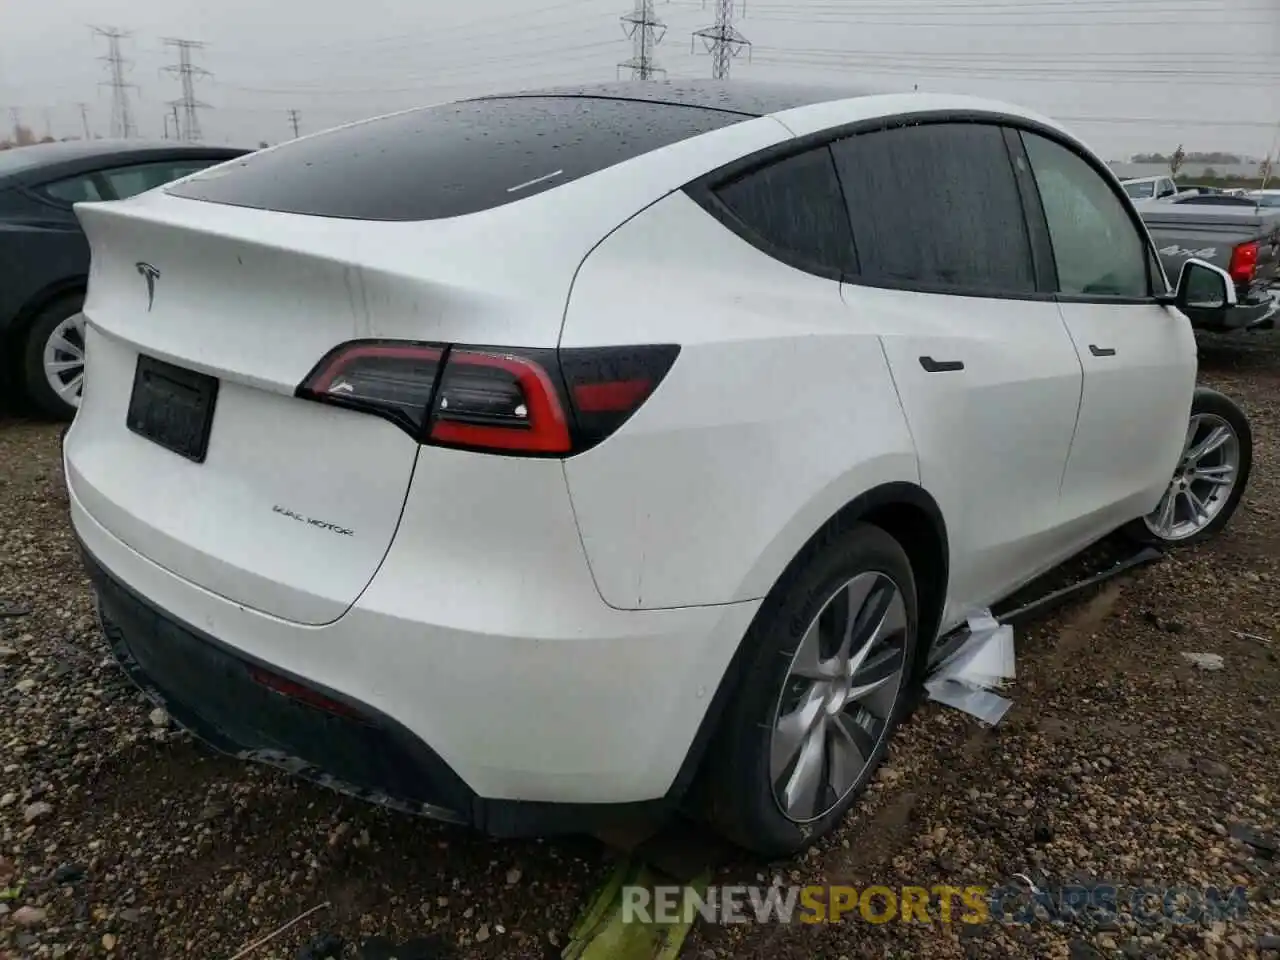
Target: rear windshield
{"type": "Point", "coordinates": [1140, 191]}
{"type": "Point", "coordinates": [450, 160]}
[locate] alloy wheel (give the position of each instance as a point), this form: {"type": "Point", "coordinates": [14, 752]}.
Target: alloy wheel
{"type": "Point", "coordinates": [64, 359]}
{"type": "Point", "coordinates": [1202, 484]}
{"type": "Point", "coordinates": [839, 697]}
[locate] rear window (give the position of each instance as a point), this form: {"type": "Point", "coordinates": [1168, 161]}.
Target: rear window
{"type": "Point", "coordinates": [450, 160]}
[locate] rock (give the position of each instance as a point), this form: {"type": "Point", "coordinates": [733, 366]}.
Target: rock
{"type": "Point", "coordinates": [8, 800]}
{"type": "Point", "coordinates": [1254, 838]}
{"type": "Point", "coordinates": [323, 946]}
{"type": "Point", "coordinates": [69, 873]}
{"type": "Point", "coordinates": [210, 812]}
{"type": "Point", "coordinates": [24, 686]}
{"type": "Point", "coordinates": [1042, 833]}
{"type": "Point", "coordinates": [130, 915]}
{"type": "Point", "coordinates": [1268, 941]}
{"type": "Point", "coordinates": [6, 870]}
{"type": "Point", "coordinates": [29, 916]}
{"type": "Point", "coordinates": [108, 942]}
{"type": "Point", "coordinates": [1212, 768]}
{"type": "Point", "coordinates": [37, 811]}
{"type": "Point", "coordinates": [513, 876]}
{"type": "Point", "coordinates": [1080, 950]}
{"type": "Point", "coordinates": [482, 934]}
{"type": "Point", "coordinates": [159, 718]}
{"type": "Point", "coordinates": [1204, 661]}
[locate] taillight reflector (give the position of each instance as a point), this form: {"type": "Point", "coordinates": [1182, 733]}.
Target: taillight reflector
{"type": "Point", "coordinates": [302, 694]}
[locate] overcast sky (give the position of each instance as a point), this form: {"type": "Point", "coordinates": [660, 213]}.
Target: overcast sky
{"type": "Point", "coordinates": [1128, 75]}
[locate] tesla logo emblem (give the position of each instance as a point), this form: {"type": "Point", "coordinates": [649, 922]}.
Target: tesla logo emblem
{"type": "Point", "coordinates": [149, 274]}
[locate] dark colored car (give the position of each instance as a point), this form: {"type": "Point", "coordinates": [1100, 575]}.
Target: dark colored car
{"type": "Point", "coordinates": [44, 258]}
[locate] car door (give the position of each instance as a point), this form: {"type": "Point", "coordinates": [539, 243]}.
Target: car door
{"type": "Point", "coordinates": [985, 371]}
{"type": "Point", "coordinates": [1138, 356]}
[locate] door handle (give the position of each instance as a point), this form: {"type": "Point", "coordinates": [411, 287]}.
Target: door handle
{"type": "Point", "coordinates": [1098, 351]}
{"type": "Point", "coordinates": [940, 366]}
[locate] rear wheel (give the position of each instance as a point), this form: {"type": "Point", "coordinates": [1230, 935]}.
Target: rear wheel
{"type": "Point", "coordinates": [1210, 478]}
{"type": "Point", "coordinates": [53, 358]}
{"type": "Point", "coordinates": [830, 658]}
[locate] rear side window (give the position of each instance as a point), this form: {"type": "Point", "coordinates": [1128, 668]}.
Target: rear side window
{"type": "Point", "coordinates": [450, 160]}
{"type": "Point", "coordinates": [73, 189]}
{"type": "Point", "coordinates": [936, 206]}
{"type": "Point", "coordinates": [129, 181]}
{"type": "Point", "coordinates": [793, 209]}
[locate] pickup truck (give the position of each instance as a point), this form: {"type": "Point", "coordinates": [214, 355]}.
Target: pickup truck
{"type": "Point", "coordinates": [1243, 240]}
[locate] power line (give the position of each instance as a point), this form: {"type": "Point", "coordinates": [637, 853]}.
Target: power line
{"type": "Point", "coordinates": [451, 34]}
{"type": "Point", "coordinates": [645, 32]}
{"type": "Point", "coordinates": [433, 79]}
{"type": "Point", "coordinates": [121, 112]}
{"type": "Point", "coordinates": [187, 72]}
{"type": "Point", "coordinates": [722, 40]}
{"type": "Point", "coordinates": [895, 66]}
{"type": "Point", "coordinates": [48, 123]}
{"type": "Point", "coordinates": [293, 122]}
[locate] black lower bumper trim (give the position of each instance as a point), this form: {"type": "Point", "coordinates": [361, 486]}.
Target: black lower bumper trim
{"type": "Point", "coordinates": [209, 689]}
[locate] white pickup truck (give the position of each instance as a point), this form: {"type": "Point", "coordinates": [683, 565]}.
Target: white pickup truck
{"type": "Point", "coordinates": [1150, 188]}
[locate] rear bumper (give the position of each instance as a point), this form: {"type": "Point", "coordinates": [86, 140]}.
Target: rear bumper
{"type": "Point", "coordinates": [1243, 316]}
{"type": "Point", "coordinates": [211, 691]}
{"type": "Point", "coordinates": [597, 718]}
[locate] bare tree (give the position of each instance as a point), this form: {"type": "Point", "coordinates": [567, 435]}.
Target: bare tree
{"type": "Point", "coordinates": [1177, 160]}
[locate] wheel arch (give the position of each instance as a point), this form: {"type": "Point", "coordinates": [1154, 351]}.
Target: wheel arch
{"type": "Point", "coordinates": [16, 330]}
{"type": "Point", "coordinates": [908, 513]}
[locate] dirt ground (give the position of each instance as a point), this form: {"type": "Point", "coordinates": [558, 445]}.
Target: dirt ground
{"type": "Point", "coordinates": [1120, 764]}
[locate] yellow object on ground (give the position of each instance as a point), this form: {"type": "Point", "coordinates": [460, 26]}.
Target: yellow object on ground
{"type": "Point", "coordinates": [602, 934]}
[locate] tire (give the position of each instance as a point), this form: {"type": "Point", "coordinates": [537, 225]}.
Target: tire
{"type": "Point", "coordinates": [741, 800]}
{"type": "Point", "coordinates": [35, 383]}
{"type": "Point", "coordinates": [1214, 411]}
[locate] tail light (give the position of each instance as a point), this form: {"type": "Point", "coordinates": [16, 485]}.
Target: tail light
{"type": "Point", "coordinates": [515, 401]}
{"type": "Point", "coordinates": [391, 379]}
{"type": "Point", "coordinates": [1244, 263]}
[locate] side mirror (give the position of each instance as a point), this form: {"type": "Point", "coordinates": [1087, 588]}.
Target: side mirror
{"type": "Point", "coordinates": [1202, 286]}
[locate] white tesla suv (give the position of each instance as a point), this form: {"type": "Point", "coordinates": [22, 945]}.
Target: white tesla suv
{"type": "Point", "coordinates": [526, 460]}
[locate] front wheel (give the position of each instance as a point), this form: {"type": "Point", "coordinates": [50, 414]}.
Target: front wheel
{"type": "Point", "coordinates": [1210, 477]}
{"type": "Point", "coordinates": [827, 681]}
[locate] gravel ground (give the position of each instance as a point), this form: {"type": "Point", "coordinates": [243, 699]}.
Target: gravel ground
{"type": "Point", "coordinates": [1120, 763]}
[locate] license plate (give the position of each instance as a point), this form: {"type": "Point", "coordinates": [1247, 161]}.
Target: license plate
{"type": "Point", "coordinates": [173, 407]}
